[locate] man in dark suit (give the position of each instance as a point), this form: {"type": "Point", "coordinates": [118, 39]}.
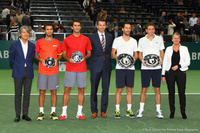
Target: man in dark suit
{"type": "Point", "coordinates": [115, 33]}
{"type": "Point", "coordinates": [31, 19]}
{"type": "Point", "coordinates": [100, 67]}
{"type": "Point", "coordinates": [21, 54]}
{"type": "Point", "coordinates": [178, 20]}
{"type": "Point", "coordinates": [133, 31]}
{"type": "Point", "coordinates": [26, 20]}
{"type": "Point", "coordinates": [138, 29]}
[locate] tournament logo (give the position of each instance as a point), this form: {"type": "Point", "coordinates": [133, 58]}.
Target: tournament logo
{"type": "Point", "coordinates": [151, 60]}
{"type": "Point", "coordinates": [125, 60]}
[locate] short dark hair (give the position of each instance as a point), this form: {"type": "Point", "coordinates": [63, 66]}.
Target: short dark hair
{"type": "Point", "coordinates": [126, 23]}
{"type": "Point", "coordinates": [76, 20]}
{"type": "Point", "coordinates": [170, 21]}
{"type": "Point", "coordinates": [102, 20]}
{"type": "Point", "coordinates": [149, 24]}
{"type": "Point", "coordinates": [161, 31]}
{"type": "Point", "coordinates": [47, 24]}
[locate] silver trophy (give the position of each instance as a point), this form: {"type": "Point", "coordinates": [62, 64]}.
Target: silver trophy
{"type": "Point", "coordinates": [50, 62]}
{"type": "Point", "coordinates": [125, 60]}
{"type": "Point", "coordinates": [151, 60]}
{"type": "Point", "coordinates": [77, 56]}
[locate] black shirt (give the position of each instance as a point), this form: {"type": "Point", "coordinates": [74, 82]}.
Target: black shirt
{"type": "Point", "coordinates": [175, 59]}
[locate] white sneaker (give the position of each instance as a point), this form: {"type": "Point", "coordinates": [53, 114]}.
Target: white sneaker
{"type": "Point", "coordinates": [140, 114]}
{"type": "Point", "coordinates": [159, 114]}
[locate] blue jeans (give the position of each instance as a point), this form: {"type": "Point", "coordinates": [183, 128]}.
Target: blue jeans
{"type": "Point", "coordinates": [14, 36]}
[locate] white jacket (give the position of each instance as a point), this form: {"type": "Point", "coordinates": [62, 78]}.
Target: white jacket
{"type": "Point", "coordinates": [184, 59]}
{"type": "Point", "coordinates": [170, 29]}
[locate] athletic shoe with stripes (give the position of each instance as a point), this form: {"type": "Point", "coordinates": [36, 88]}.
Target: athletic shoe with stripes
{"type": "Point", "coordinates": [159, 114]}
{"type": "Point", "coordinates": [117, 114]}
{"type": "Point", "coordinates": [40, 117]}
{"type": "Point", "coordinates": [130, 114]}
{"type": "Point", "coordinates": [53, 116]}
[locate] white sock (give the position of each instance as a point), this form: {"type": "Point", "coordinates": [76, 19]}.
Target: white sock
{"type": "Point", "coordinates": [157, 107]}
{"type": "Point", "coordinates": [53, 109]}
{"type": "Point", "coordinates": [117, 107]}
{"type": "Point", "coordinates": [142, 106]}
{"type": "Point", "coordinates": [64, 110]}
{"type": "Point", "coordinates": [79, 110]}
{"type": "Point", "coordinates": [129, 107]}
{"type": "Point", "coordinates": [41, 109]}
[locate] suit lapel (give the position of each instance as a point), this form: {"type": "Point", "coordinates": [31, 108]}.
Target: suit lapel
{"type": "Point", "coordinates": [29, 49]}
{"type": "Point", "coordinates": [106, 41]}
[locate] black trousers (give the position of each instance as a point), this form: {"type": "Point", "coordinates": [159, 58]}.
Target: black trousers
{"type": "Point", "coordinates": [179, 77]}
{"type": "Point", "coordinates": [95, 78]}
{"type": "Point", "coordinates": [26, 82]}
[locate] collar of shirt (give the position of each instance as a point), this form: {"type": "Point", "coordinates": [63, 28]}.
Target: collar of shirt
{"type": "Point", "coordinates": [151, 42]}
{"type": "Point", "coordinates": [194, 18]}
{"type": "Point", "coordinates": [24, 48]}
{"type": "Point", "coordinates": [148, 39]}
{"type": "Point", "coordinates": [100, 35]}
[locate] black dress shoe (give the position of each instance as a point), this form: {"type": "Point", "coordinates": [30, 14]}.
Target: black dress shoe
{"type": "Point", "coordinates": [25, 117]}
{"type": "Point", "coordinates": [17, 118]}
{"type": "Point", "coordinates": [184, 116]}
{"type": "Point", "coordinates": [171, 115]}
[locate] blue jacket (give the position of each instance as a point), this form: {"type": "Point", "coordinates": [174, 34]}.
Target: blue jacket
{"type": "Point", "coordinates": [16, 57]}
{"type": "Point", "coordinates": [98, 55]}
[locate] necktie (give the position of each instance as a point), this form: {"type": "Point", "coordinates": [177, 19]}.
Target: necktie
{"type": "Point", "coordinates": [103, 42]}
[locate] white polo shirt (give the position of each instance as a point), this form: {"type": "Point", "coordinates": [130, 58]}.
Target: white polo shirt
{"type": "Point", "coordinates": [122, 46]}
{"type": "Point", "coordinates": [150, 47]}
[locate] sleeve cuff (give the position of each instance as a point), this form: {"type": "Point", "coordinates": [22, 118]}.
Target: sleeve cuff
{"type": "Point", "coordinates": [59, 54]}
{"type": "Point", "coordinates": [179, 66]}
{"type": "Point", "coordinates": [163, 75]}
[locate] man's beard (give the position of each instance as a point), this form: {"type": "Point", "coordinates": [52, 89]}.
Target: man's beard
{"type": "Point", "coordinates": [127, 34]}
{"type": "Point", "coordinates": [49, 35]}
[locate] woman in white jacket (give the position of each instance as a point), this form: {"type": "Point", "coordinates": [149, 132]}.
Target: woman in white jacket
{"type": "Point", "coordinates": [175, 63]}
{"type": "Point", "coordinates": [170, 28]}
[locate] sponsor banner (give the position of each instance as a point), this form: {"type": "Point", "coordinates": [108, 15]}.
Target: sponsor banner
{"type": "Point", "coordinates": [194, 49]}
